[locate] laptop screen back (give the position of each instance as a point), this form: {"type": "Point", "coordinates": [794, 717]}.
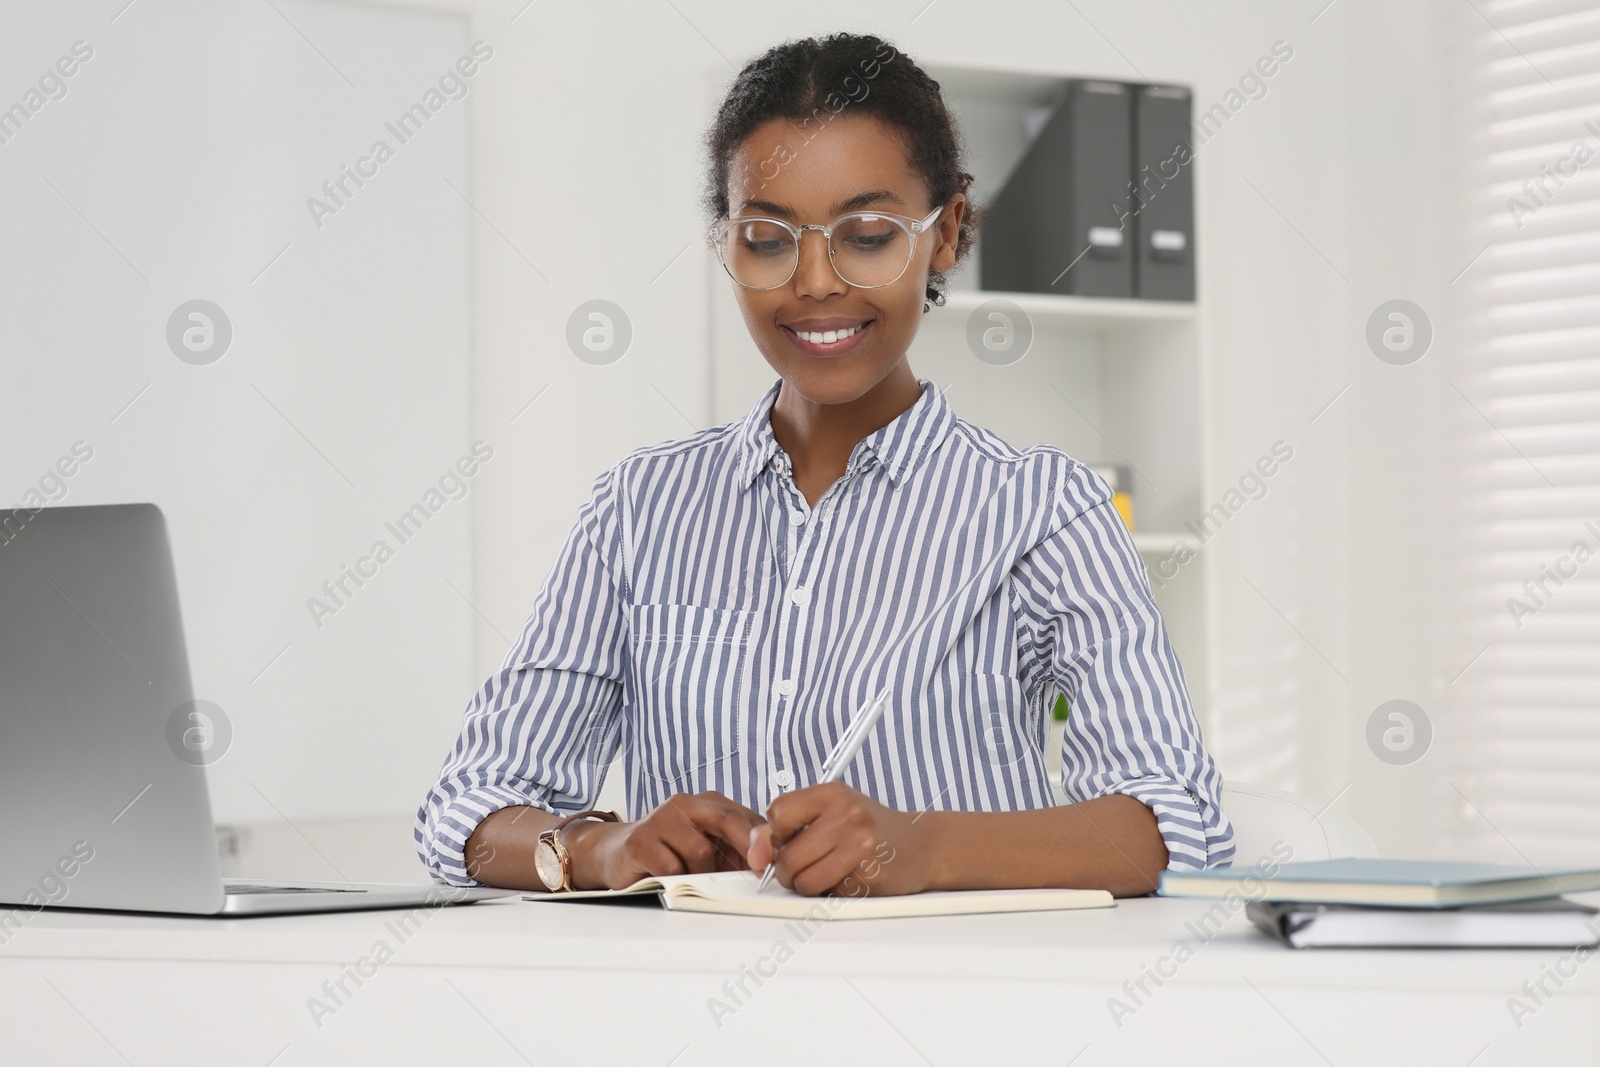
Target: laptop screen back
{"type": "Point", "coordinates": [100, 809]}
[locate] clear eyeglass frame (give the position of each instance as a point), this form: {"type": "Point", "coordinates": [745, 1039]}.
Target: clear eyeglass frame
{"type": "Point", "coordinates": [912, 227]}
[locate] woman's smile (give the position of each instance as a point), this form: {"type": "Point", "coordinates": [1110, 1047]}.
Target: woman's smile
{"type": "Point", "coordinates": [836, 340]}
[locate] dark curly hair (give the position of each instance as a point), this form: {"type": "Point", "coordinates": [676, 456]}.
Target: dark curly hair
{"type": "Point", "coordinates": [846, 73]}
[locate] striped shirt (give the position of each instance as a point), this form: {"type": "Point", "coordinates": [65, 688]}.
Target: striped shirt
{"type": "Point", "coordinates": [706, 620]}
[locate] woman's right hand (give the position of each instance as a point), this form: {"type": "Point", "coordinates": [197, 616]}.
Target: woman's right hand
{"type": "Point", "coordinates": [688, 834]}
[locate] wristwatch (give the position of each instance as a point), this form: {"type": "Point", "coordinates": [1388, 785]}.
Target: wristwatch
{"type": "Point", "coordinates": [550, 856]}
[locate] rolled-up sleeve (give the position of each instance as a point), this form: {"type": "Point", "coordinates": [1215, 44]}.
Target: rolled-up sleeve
{"type": "Point", "coordinates": [543, 729]}
{"type": "Point", "coordinates": [1090, 618]}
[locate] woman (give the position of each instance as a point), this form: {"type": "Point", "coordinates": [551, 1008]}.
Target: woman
{"type": "Point", "coordinates": [725, 602]}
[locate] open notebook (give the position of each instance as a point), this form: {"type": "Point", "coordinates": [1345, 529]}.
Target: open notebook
{"type": "Point", "coordinates": [734, 893]}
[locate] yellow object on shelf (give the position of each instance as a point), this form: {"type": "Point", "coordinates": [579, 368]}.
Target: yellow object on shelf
{"type": "Point", "coordinates": [1124, 505]}
{"type": "Point", "coordinates": [1120, 478]}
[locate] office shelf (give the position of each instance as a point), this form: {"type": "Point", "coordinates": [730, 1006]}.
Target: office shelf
{"type": "Point", "coordinates": [1089, 313]}
{"type": "Point", "coordinates": [1160, 544]}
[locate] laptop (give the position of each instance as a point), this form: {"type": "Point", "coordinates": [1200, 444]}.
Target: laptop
{"type": "Point", "coordinates": [103, 806]}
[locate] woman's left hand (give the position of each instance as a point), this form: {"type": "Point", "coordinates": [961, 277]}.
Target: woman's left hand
{"type": "Point", "coordinates": [832, 839]}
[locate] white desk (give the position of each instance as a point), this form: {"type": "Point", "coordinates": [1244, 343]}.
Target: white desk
{"type": "Point", "coordinates": [508, 982]}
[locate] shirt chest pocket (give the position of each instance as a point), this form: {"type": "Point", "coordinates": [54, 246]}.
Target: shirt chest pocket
{"type": "Point", "coordinates": [687, 678]}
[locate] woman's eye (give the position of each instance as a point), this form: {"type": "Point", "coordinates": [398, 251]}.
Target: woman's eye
{"type": "Point", "coordinates": [873, 243]}
{"type": "Point", "coordinates": [774, 247]}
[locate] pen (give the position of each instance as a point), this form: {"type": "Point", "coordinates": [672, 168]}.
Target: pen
{"type": "Point", "coordinates": [844, 750]}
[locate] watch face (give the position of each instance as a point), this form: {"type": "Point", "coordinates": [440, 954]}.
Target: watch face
{"type": "Point", "coordinates": [548, 864]}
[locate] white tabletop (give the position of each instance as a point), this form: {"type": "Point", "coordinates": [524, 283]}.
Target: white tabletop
{"type": "Point", "coordinates": [610, 983]}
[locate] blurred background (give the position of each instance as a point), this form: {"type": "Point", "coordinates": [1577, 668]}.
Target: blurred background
{"type": "Point", "coordinates": [222, 295]}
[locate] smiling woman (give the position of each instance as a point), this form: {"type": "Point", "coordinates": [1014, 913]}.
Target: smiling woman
{"type": "Point", "coordinates": [726, 601]}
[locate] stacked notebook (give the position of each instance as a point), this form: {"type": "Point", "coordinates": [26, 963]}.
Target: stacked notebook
{"type": "Point", "coordinates": [734, 893]}
{"type": "Point", "coordinates": [1354, 903]}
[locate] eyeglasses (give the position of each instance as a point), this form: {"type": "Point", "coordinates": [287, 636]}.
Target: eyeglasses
{"type": "Point", "coordinates": [868, 249]}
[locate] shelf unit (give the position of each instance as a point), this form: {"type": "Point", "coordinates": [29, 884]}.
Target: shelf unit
{"type": "Point", "coordinates": [1106, 380]}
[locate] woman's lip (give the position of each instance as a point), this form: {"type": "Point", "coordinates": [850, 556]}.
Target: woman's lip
{"type": "Point", "coordinates": [833, 351]}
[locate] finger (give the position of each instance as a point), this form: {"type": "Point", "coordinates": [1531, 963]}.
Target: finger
{"type": "Point", "coordinates": [838, 853]}
{"type": "Point", "coordinates": [731, 861]}
{"type": "Point", "coordinates": [844, 870]}
{"type": "Point", "coordinates": [712, 796]}
{"type": "Point", "coordinates": [704, 814]}
{"type": "Point", "coordinates": [731, 823]}
{"type": "Point", "coordinates": [761, 848]}
{"type": "Point", "coordinates": [789, 812]}
{"type": "Point", "coordinates": [720, 805]}
{"type": "Point", "coordinates": [808, 847]}
{"type": "Point", "coordinates": [726, 823]}
{"type": "Point", "coordinates": [697, 851]}
{"type": "Point", "coordinates": [817, 876]}
{"type": "Point", "coordinates": [647, 859]}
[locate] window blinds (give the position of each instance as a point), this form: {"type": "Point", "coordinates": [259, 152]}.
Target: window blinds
{"type": "Point", "coordinates": [1525, 757]}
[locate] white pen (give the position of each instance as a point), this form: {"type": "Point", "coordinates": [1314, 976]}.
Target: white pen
{"type": "Point", "coordinates": [844, 750]}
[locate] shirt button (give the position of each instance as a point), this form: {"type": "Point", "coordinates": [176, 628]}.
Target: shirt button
{"type": "Point", "coordinates": [783, 778]}
{"type": "Point", "coordinates": [785, 687]}
{"type": "Point", "coordinates": [801, 596]}
{"type": "Point", "coordinates": [797, 517]}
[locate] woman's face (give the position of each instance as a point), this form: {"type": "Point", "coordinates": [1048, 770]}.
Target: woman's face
{"type": "Point", "coordinates": [853, 162]}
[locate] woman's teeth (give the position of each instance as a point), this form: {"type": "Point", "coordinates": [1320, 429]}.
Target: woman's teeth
{"type": "Point", "coordinates": [828, 337]}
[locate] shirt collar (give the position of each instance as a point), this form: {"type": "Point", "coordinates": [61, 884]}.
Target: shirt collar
{"type": "Point", "coordinates": [899, 447]}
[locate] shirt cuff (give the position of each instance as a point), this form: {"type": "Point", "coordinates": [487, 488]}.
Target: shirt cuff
{"type": "Point", "coordinates": [1195, 839]}
{"type": "Point", "coordinates": [443, 842]}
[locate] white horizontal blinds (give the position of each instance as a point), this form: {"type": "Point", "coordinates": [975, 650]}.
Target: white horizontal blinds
{"type": "Point", "coordinates": [1528, 710]}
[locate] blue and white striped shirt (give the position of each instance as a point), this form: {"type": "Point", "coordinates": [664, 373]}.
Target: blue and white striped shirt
{"type": "Point", "coordinates": [705, 618]}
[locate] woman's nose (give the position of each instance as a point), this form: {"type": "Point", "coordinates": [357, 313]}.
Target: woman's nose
{"type": "Point", "coordinates": [814, 275]}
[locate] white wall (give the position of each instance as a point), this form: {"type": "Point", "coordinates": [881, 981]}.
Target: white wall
{"type": "Point", "coordinates": [178, 166]}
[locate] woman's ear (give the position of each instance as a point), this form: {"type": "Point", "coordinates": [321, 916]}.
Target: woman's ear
{"type": "Point", "coordinates": [949, 227]}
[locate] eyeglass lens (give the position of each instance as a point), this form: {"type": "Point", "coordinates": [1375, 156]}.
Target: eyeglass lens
{"type": "Point", "coordinates": [868, 251]}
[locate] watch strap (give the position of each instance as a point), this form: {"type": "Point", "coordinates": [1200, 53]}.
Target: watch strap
{"type": "Point", "coordinates": [593, 813]}
{"type": "Point", "coordinates": [553, 835]}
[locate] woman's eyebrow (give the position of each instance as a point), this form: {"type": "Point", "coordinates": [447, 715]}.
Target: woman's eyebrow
{"type": "Point", "coordinates": [860, 200]}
